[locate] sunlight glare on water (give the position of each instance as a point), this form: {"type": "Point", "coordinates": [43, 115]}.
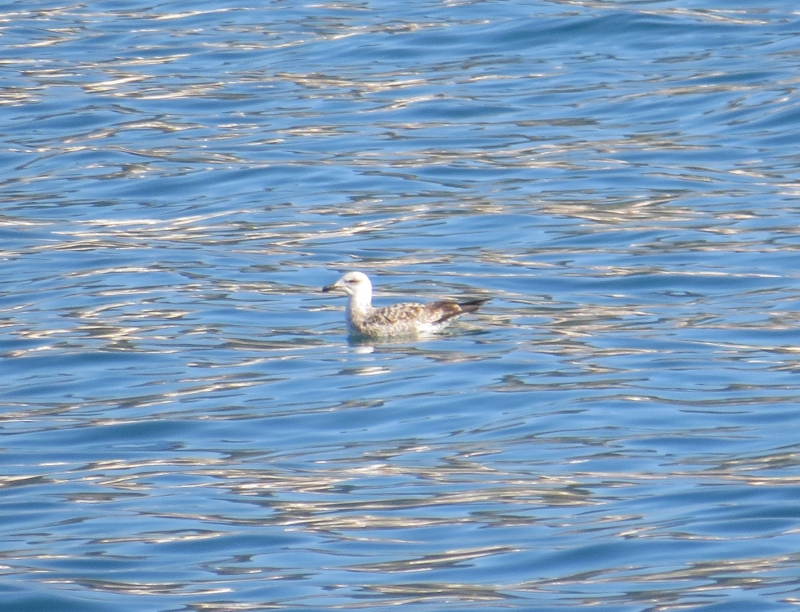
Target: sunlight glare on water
{"type": "Point", "coordinates": [187, 426]}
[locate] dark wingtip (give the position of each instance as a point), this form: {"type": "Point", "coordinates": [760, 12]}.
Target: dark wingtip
{"type": "Point", "coordinates": [472, 305]}
{"type": "Point", "coordinates": [450, 309]}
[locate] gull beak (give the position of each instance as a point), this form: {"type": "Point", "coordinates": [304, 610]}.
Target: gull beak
{"type": "Point", "coordinates": [332, 287]}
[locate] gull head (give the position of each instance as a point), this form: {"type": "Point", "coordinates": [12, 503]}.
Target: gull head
{"type": "Point", "coordinates": [355, 284]}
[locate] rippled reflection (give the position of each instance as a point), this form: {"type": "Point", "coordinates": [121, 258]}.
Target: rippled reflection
{"type": "Point", "coordinates": [186, 424]}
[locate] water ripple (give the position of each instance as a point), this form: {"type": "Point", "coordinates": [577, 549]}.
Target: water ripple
{"type": "Point", "coordinates": [186, 424]}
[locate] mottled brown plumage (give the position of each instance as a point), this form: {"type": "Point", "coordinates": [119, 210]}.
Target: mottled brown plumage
{"type": "Point", "coordinates": [409, 319]}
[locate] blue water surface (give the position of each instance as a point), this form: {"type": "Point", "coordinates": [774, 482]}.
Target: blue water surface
{"type": "Point", "coordinates": [185, 423]}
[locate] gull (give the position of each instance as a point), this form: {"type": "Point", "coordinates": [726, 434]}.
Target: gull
{"type": "Point", "coordinates": [406, 319]}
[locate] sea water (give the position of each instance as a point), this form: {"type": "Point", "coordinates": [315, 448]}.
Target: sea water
{"type": "Point", "coordinates": [185, 424]}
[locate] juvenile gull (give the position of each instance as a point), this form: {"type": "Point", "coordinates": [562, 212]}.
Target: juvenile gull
{"type": "Point", "coordinates": [408, 319]}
